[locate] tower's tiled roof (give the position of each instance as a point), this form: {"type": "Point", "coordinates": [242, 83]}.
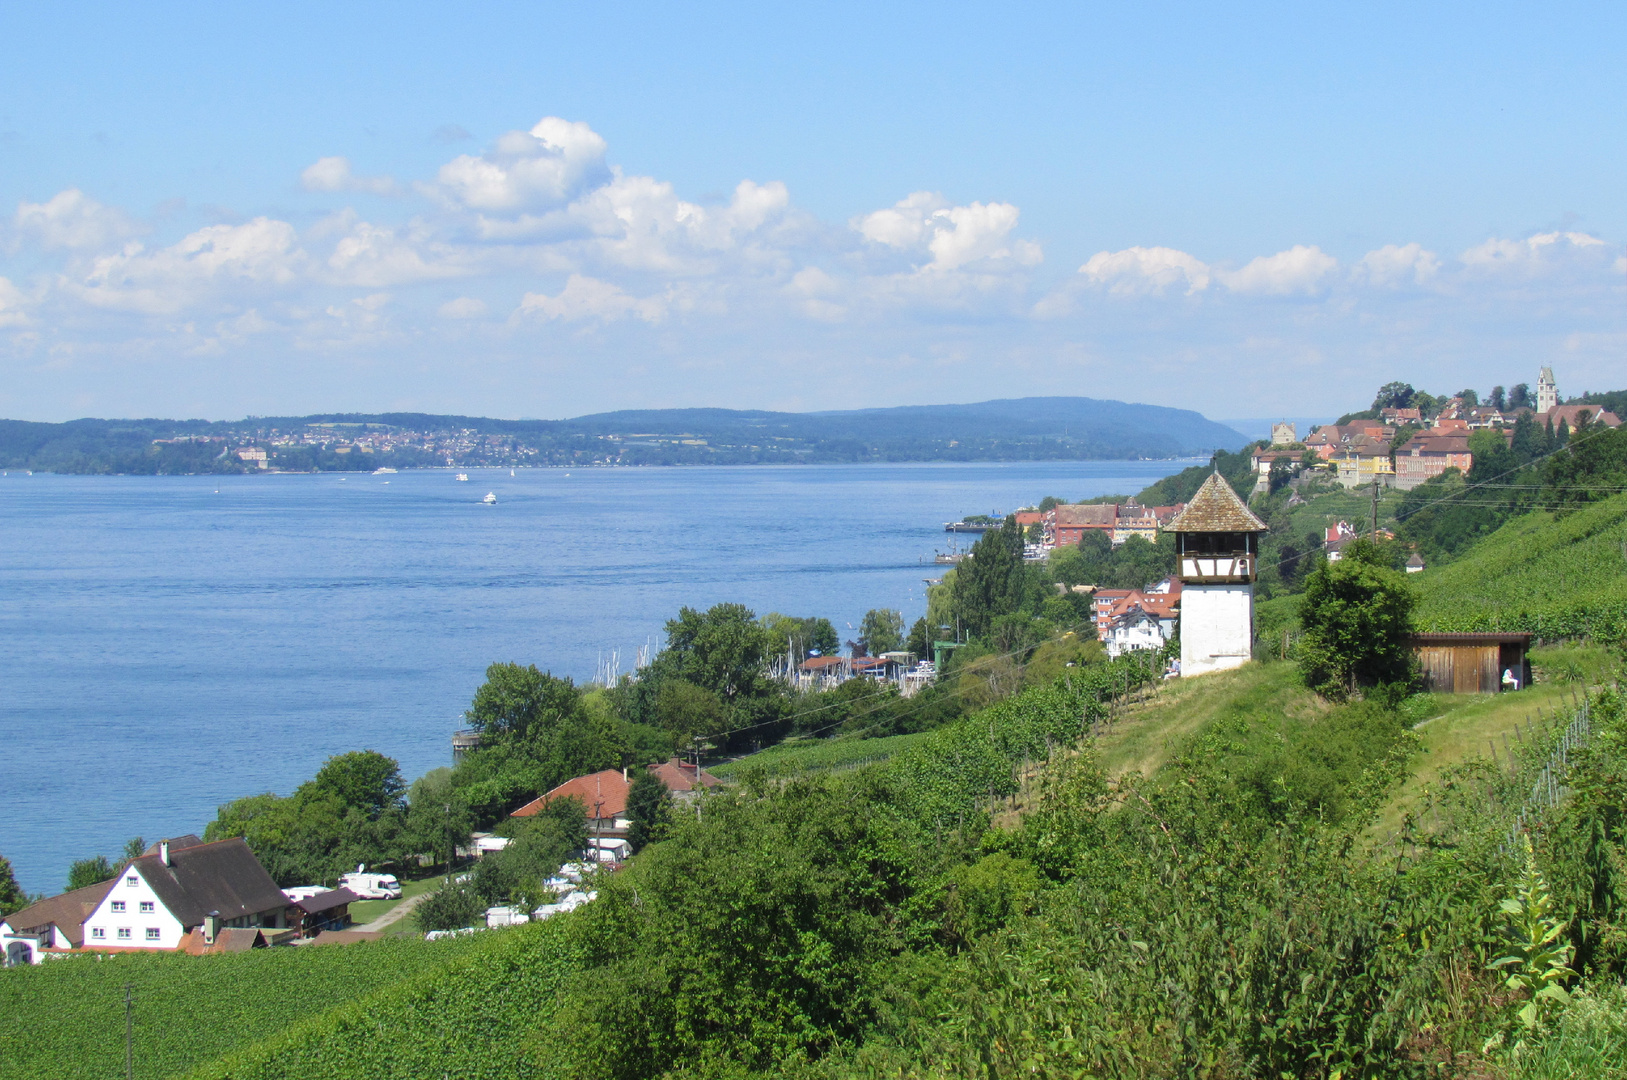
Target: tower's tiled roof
{"type": "Point", "coordinates": [1216, 508]}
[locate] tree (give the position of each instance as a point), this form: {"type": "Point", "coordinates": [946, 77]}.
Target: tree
{"type": "Point", "coordinates": [991, 582]}
{"type": "Point", "coordinates": [1496, 400]}
{"type": "Point", "coordinates": [686, 710]}
{"type": "Point", "coordinates": [90, 871]}
{"type": "Point", "coordinates": [133, 849]}
{"type": "Point", "coordinates": [12, 897]}
{"type": "Point", "coordinates": [1519, 396]}
{"type": "Point", "coordinates": [1469, 397]}
{"type": "Point", "coordinates": [1357, 619]}
{"type": "Point", "coordinates": [882, 631]}
{"type": "Point", "coordinates": [649, 807]}
{"type": "Point", "coordinates": [513, 700]}
{"type": "Point", "coordinates": [722, 650]}
{"type": "Point", "coordinates": [363, 780]}
{"type": "Point", "coordinates": [453, 906]}
{"type": "Point", "coordinates": [920, 640]}
{"type": "Point", "coordinates": [1394, 395]}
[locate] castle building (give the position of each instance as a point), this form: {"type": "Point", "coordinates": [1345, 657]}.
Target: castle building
{"type": "Point", "coordinates": [1547, 391]}
{"type": "Point", "coordinates": [1218, 549]}
{"type": "Point", "coordinates": [1284, 434]}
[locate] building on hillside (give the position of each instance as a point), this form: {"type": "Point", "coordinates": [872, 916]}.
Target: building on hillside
{"type": "Point", "coordinates": [1334, 539]}
{"type": "Point", "coordinates": [1428, 454]}
{"type": "Point", "coordinates": [1401, 417]}
{"type": "Point", "coordinates": [1329, 439]}
{"type": "Point", "coordinates": [1415, 563]}
{"type": "Point", "coordinates": [1142, 620]}
{"type": "Point", "coordinates": [1473, 663]}
{"type": "Point", "coordinates": [1067, 523]}
{"type": "Point", "coordinates": [1572, 416]}
{"type": "Point", "coordinates": [308, 916]}
{"type": "Point", "coordinates": [823, 672]}
{"type": "Point", "coordinates": [1365, 460]}
{"type": "Point", "coordinates": [1547, 391]}
{"type": "Point", "coordinates": [1217, 558]}
{"type": "Point", "coordinates": [603, 794]}
{"type": "Point", "coordinates": [1284, 433]}
{"type": "Point", "coordinates": [1265, 460]}
{"type": "Point", "coordinates": [177, 887]}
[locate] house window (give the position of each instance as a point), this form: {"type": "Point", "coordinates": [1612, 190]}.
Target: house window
{"type": "Point", "coordinates": [152, 933]}
{"type": "Point", "coordinates": [98, 932]}
{"type": "Point", "coordinates": [124, 933]}
{"type": "Point", "coordinates": [146, 905]}
{"type": "Point", "coordinates": [132, 881]}
{"type": "Point", "coordinates": [118, 905]}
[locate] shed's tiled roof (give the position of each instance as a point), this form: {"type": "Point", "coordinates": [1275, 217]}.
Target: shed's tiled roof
{"type": "Point", "coordinates": [1216, 508]}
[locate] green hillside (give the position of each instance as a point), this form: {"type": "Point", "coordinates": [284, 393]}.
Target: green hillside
{"type": "Point", "coordinates": [1553, 575]}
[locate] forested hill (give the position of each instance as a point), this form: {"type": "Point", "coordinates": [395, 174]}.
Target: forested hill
{"type": "Point", "coordinates": [1025, 429]}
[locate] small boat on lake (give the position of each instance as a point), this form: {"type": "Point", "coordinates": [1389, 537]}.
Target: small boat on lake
{"type": "Point", "coordinates": [463, 476]}
{"type": "Point", "coordinates": [490, 499]}
{"type": "Point", "coordinates": [382, 470]}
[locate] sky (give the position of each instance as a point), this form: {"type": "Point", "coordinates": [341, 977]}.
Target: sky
{"type": "Point", "coordinates": [543, 210]}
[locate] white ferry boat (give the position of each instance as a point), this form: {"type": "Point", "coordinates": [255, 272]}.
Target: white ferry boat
{"type": "Point", "coordinates": [383, 470]}
{"type": "Point", "coordinates": [463, 476]}
{"type": "Point", "coordinates": [490, 499]}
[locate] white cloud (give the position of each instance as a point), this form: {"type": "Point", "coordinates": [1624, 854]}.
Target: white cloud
{"type": "Point", "coordinates": [11, 304]}
{"type": "Point", "coordinates": [1532, 255]}
{"type": "Point", "coordinates": [71, 219]}
{"type": "Point", "coordinates": [956, 236]}
{"type": "Point", "coordinates": [1300, 269]}
{"type": "Point", "coordinates": [586, 298]}
{"type": "Point", "coordinates": [263, 251]}
{"type": "Point", "coordinates": [373, 256]}
{"type": "Point", "coordinates": [464, 307]}
{"type": "Point", "coordinates": [550, 165]}
{"type": "Point", "coordinates": [1141, 270]}
{"type": "Point", "coordinates": [334, 174]}
{"type": "Point", "coordinates": [1397, 264]}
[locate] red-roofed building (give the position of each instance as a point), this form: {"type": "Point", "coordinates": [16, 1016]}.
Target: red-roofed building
{"type": "Point", "coordinates": [604, 794]}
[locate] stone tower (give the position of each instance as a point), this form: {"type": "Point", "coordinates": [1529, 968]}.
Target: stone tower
{"type": "Point", "coordinates": [1284, 434]}
{"type": "Point", "coordinates": [1218, 546]}
{"type": "Point", "coordinates": [1547, 392]}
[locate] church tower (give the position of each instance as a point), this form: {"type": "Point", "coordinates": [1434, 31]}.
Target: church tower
{"type": "Point", "coordinates": [1218, 546]}
{"type": "Point", "coordinates": [1547, 392]}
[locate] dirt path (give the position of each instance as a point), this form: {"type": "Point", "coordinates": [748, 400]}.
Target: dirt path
{"type": "Point", "coordinates": [394, 915]}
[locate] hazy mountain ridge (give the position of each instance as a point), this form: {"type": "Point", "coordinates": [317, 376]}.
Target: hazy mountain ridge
{"type": "Point", "coordinates": [1023, 429]}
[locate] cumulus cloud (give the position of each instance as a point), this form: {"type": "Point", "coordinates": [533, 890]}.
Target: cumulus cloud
{"type": "Point", "coordinates": [956, 236]}
{"type": "Point", "coordinates": [585, 298]}
{"type": "Point", "coordinates": [11, 304]}
{"type": "Point", "coordinates": [1141, 270]}
{"type": "Point", "coordinates": [262, 251]}
{"type": "Point", "coordinates": [72, 220]}
{"type": "Point", "coordinates": [1534, 254]}
{"type": "Point", "coordinates": [1299, 270]}
{"type": "Point", "coordinates": [548, 166]}
{"type": "Point", "coordinates": [373, 256]}
{"type": "Point", "coordinates": [1397, 264]}
{"type": "Point", "coordinates": [334, 174]}
{"type": "Point", "coordinates": [464, 307]}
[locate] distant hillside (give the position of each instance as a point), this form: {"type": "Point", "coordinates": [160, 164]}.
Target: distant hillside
{"type": "Point", "coordinates": [1025, 429]}
{"type": "Point", "coordinates": [1554, 576]}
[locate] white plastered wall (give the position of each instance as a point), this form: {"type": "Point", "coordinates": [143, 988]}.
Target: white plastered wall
{"type": "Point", "coordinates": [1217, 627]}
{"type": "Point", "coordinates": [109, 921]}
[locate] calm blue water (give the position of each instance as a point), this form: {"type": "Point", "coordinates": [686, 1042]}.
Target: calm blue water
{"type": "Point", "coordinates": [170, 643]}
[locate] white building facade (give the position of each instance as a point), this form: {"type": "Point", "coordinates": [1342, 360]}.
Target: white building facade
{"type": "Point", "coordinates": [1217, 562]}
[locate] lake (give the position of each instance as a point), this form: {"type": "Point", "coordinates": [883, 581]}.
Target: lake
{"type": "Point", "coordinates": [172, 643]}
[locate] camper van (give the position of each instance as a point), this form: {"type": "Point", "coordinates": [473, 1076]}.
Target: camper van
{"type": "Point", "coordinates": [371, 886]}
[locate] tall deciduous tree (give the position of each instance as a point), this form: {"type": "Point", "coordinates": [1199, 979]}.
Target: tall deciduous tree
{"type": "Point", "coordinates": [882, 631]}
{"type": "Point", "coordinates": [1357, 618]}
{"type": "Point", "coordinates": [90, 871]}
{"type": "Point", "coordinates": [991, 582]}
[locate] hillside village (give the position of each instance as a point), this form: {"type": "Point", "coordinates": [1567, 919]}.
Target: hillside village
{"type": "Point", "coordinates": [1196, 656]}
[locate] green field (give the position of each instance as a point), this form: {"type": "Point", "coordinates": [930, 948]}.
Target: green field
{"type": "Point", "coordinates": [798, 756]}
{"type": "Point", "coordinates": [66, 1017]}
{"type": "Point", "coordinates": [1554, 575]}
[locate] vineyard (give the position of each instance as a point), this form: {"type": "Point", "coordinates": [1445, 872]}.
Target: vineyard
{"type": "Point", "coordinates": [186, 1009]}
{"type": "Point", "coordinates": [1555, 576]}
{"type": "Point", "coordinates": [802, 756]}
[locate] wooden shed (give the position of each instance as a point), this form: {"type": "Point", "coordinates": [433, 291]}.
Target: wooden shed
{"type": "Point", "coordinates": [1471, 663]}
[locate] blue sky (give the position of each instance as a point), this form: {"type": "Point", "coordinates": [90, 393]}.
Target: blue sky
{"type": "Point", "coordinates": [544, 210]}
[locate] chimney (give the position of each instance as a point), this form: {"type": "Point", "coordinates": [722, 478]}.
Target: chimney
{"type": "Point", "coordinates": [211, 927]}
{"type": "Point", "coordinates": [163, 852]}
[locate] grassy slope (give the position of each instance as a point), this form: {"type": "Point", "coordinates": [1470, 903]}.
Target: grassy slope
{"type": "Point", "coordinates": [66, 1017]}
{"type": "Point", "coordinates": [1537, 565]}
{"type": "Point", "coordinates": [813, 755]}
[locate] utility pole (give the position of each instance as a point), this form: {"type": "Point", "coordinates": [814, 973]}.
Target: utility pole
{"type": "Point", "coordinates": [1375, 509]}
{"type": "Point", "coordinates": [129, 1040]}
